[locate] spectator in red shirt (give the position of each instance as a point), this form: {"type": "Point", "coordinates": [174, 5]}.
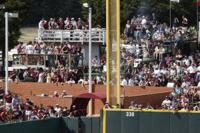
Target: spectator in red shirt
{"type": "Point", "coordinates": [61, 23]}
{"type": "Point", "coordinates": [8, 99]}
{"type": "Point", "coordinates": [2, 115]}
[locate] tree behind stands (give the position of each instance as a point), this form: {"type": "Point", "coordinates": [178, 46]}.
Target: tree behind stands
{"type": "Point", "coordinates": [51, 8]}
{"type": "Point", "coordinates": [130, 8]}
{"type": "Point", "coordinates": [19, 6]}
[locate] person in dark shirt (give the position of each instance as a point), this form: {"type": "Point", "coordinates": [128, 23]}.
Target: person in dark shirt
{"type": "Point", "coordinates": [65, 112]}
{"type": "Point", "coordinates": [8, 98]}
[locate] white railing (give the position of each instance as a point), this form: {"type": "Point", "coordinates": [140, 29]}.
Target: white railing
{"type": "Point", "coordinates": [98, 36]}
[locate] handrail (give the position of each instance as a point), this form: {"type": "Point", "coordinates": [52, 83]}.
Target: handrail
{"type": "Point", "coordinates": [98, 36]}
{"type": "Point", "coordinates": [42, 63]}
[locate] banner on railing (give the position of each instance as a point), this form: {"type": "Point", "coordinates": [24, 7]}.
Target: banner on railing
{"type": "Point", "coordinates": [98, 36]}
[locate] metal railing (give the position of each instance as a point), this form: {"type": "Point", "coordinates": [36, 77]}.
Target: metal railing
{"type": "Point", "coordinates": [81, 36]}
{"type": "Point", "coordinates": [24, 61]}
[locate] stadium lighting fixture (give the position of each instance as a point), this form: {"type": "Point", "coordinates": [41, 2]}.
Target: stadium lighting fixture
{"type": "Point", "coordinates": [86, 5]}
{"type": "Point", "coordinates": [7, 16]}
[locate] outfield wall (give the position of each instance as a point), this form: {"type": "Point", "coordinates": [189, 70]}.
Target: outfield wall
{"type": "Point", "coordinates": [113, 121]}
{"type": "Point", "coordinates": [37, 126]}
{"type": "Point", "coordinates": [129, 121]}
{"type": "Point", "coordinates": [80, 125]}
{"type": "Point", "coordinates": [55, 125]}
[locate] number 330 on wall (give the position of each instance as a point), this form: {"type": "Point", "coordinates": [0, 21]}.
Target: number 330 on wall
{"type": "Point", "coordinates": [130, 114]}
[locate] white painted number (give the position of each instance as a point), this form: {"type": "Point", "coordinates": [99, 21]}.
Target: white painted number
{"type": "Point", "coordinates": [130, 114]}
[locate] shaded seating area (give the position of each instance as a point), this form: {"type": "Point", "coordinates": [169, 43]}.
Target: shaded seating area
{"type": "Point", "coordinates": [80, 102]}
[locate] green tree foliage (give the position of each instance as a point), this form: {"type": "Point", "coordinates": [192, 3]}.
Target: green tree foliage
{"type": "Point", "coordinates": [20, 6]}
{"type": "Point", "coordinates": [98, 11]}
{"type": "Point", "coordinates": [130, 8]}
{"type": "Point", "coordinates": [31, 11]}
{"type": "Point", "coordinates": [51, 8]}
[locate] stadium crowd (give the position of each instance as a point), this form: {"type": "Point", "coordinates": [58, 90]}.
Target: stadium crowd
{"type": "Point", "coordinates": [63, 24]}
{"type": "Point", "coordinates": [58, 70]}
{"type": "Point", "coordinates": [148, 28]}
{"type": "Point", "coordinates": [144, 62]}
{"type": "Point", "coordinates": [50, 53]}
{"type": "Point", "coordinates": [14, 109]}
{"type": "Point", "coordinates": [180, 99]}
{"type": "Point", "coordinates": [52, 24]}
{"type": "Point", "coordinates": [47, 48]}
{"type": "Point", "coordinates": [57, 75]}
{"type": "Point", "coordinates": [143, 38]}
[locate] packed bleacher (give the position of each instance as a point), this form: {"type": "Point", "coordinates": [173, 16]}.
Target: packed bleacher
{"type": "Point", "coordinates": [58, 71]}
{"type": "Point", "coordinates": [148, 28]}
{"type": "Point", "coordinates": [144, 57]}
{"type": "Point", "coordinates": [47, 48]}
{"type": "Point", "coordinates": [60, 23]}
{"type": "Point", "coordinates": [50, 50]}
{"type": "Point", "coordinates": [13, 109]}
{"type": "Point", "coordinates": [143, 38]}
{"type": "Point", "coordinates": [63, 24]}
{"type": "Point", "coordinates": [145, 61]}
{"type": "Point", "coordinates": [180, 99]}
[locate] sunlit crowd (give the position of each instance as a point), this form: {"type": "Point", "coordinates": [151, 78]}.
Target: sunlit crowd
{"type": "Point", "coordinates": [14, 109]}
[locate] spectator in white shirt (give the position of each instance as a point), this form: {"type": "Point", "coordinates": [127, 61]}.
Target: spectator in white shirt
{"type": "Point", "coordinates": [74, 23]}
{"type": "Point", "coordinates": [58, 110]}
{"type": "Point", "coordinates": [157, 72]}
{"type": "Point", "coordinates": [71, 81]}
{"type": "Point", "coordinates": [95, 62]}
{"type": "Point", "coordinates": [124, 82]}
{"type": "Point", "coordinates": [83, 81]}
{"type": "Point", "coordinates": [172, 71]}
{"type": "Point", "coordinates": [28, 113]}
{"type": "Point", "coordinates": [132, 49]}
{"type": "Point", "coordinates": [144, 21]}
{"type": "Point", "coordinates": [192, 69]}
{"type": "Point", "coordinates": [166, 103]}
{"type": "Point", "coordinates": [99, 80]}
{"type": "Point", "coordinates": [67, 22]}
{"type": "Point", "coordinates": [41, 77]}
{"type": "Point", "coordinates": [186, 61]}
{"type": "Point", "coordinates": [29, 48]}
{"type": "Point", "coordinates": [41, 24]}
{"type": "Point", "coordinates": [131, 82]}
